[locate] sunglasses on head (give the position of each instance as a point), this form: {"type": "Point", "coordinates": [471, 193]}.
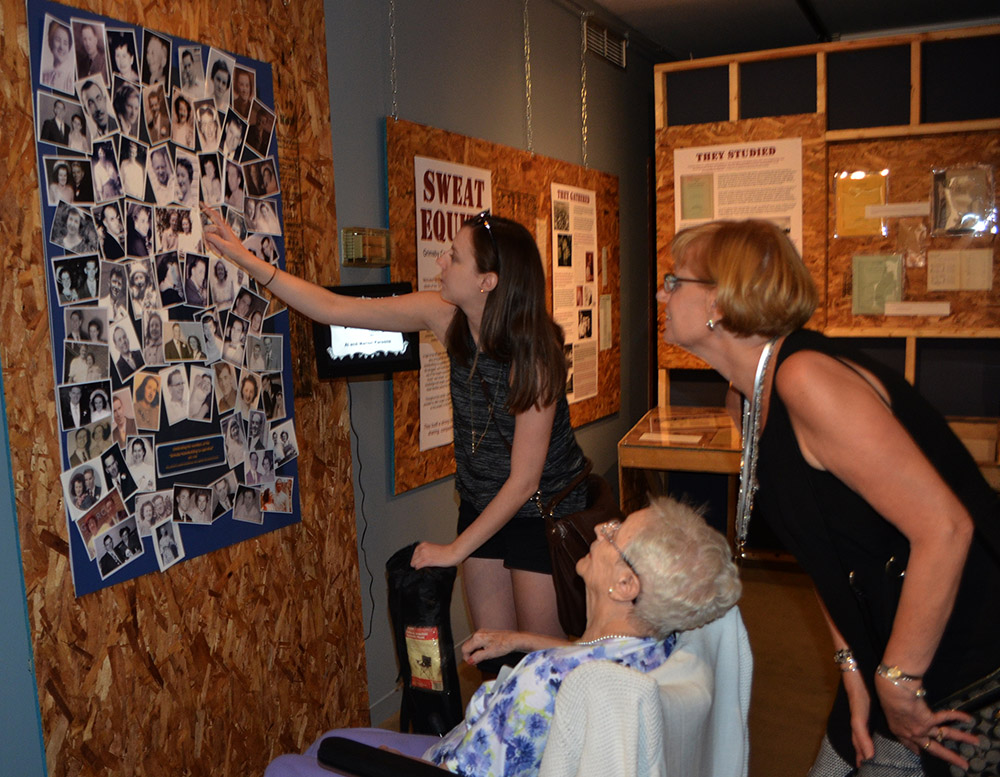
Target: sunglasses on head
{"type": "Point", "coordinates": [483, 220]}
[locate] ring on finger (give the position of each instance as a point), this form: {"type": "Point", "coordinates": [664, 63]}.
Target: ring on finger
{"type": "Point", "coordinates": [939, 736]}
{"type": "Point", "coordinates": [926, 744]}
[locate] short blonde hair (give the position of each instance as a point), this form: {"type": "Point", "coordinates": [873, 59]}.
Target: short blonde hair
{"type": "Point", "coordinates": [764, 288]}
{"type": "Point", "coordinates": [686, 571]}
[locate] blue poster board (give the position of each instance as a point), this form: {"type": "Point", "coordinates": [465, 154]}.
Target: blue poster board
{"type": "Point", "coordinates": [172, 368]}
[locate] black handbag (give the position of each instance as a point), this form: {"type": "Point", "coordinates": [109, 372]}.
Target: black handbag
{"type": "Point", "coordinates": [570, 537]}
{"type": "Point", "coordinates": [981, 700]}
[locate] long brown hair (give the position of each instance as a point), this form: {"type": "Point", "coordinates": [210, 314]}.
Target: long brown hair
{"type": "Point", "coordinates": [516, 326]}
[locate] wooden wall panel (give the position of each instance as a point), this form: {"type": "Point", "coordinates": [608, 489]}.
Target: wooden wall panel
{"type": "Point", "coordinates": [521, 191]}
{"type": "Point", "coordinates": [910, 162]}
{"type": "Point", "coordinates": [231, 658]}
{"type": "Point", "coordinates": [809, 127]}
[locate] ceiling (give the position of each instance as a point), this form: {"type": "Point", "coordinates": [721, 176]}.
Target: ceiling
{"type": "Point", "coordinates": [702, 28]}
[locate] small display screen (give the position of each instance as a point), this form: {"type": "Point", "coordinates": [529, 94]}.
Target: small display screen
{"type": "Point", "coordinates": [343, 351]}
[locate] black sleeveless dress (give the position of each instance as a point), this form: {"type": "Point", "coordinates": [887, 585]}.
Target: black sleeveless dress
{"type": "Point", "coordinates": [857, 559]}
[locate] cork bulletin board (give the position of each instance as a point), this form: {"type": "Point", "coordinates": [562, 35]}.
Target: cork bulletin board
{"type": "Point", "coordinates": [809, 127]}
{"type": "Point", "coordinates": [222, 662]}
{"type": "Point", "coordinates": [910, 163]}
{"type": "Point", "coordinates": [521, 186]}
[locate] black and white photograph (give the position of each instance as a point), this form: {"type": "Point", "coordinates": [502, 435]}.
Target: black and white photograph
{"type": "Point", "coordinates": [175, 393]}
{"type": "Point", "coordinates": [58, 63]}
{"type": "Point", "coordinates": [127, 105]}
{"type": "Point", "coordinates": [77, 403]}
{"type": "Point", "coordinates": [169, 278]}
{"type": "Point", "coordinates": [202, 400]}
{"type": "Point", "coordinates": [234, 439]}
{"type": "Point", "coordinates": [83, 486]}
{"type": "Point", "coordinates": [249, 392]}
{"type": "Point", "coordinates": [97, 108]}
{"type": "Point", "coordinates": [234, 342]}
{"type": "Point", "coordinates": [219, 83]}
{"type": "Point", "coordinates": [223, 494]}
{"type": "Point", "coordinates": [244, 90]}
{"type": "Point", "coordinates": [233, 131]}
{"type": "Point", "coordinates": [225, 386]}
{"type": "Point", "coordinates": [58, 182]}
{"type": "Point", "coordinates": [125, 352]}
{"type": "Point", "coordinates": [114, 291]}
{"type": "Point", "coordinates": [132, 166]}
{"type": "Point", "coordinates": [139, 457]}
{"type": "Point", "coordinates": [116, 472]}
{"type": "Point", "coordinates": [104, 168]}
{"type": "Point", "coordinates": [211, 178]}
{"type": "Point", "coordinates": [167, 545]}
{"type": "Point", "coordinates": [192, 70]}
{"type": "Point", "coordinates": [272, 396]}
{"type": "Point", "coordinates": [146, 400]}
{"type": "Point", "coordinates": [91, 54]}
{"type": "Point", "coordinates": [262, 216]}
{"type": "Point", "coordinates": [207, 123]}
{"type": "Point", "coordinates": [138, 229]}
{"type": "Point", "coordinates": [142, 290]}
{"type": "Point", "coordinates": [156, 59]}
{"type": "Point", "coordinates": [288, 444]}
{"type": "Point", "coordinates": [122, 416]}
{"type": "Point", "coordinates": [110, 229]}
{"type": "Point", "coordinates": [247, 508]}
{"type": "Point", "coordinates": [123, 54]}
{"type": "Point", "coordinates": [258, 134]}
{"type": "Point", "coordinates": [73, 230]}
{"type": "Point", "coordinates": [160, 172]}
{"type": "Point", "coordinates": [152, 336]}
{"type": "Point", "coordinates": [261, 178]}
{"type": "Point", "coordinates": [54, 112]}
{"type": "Point", "coordinates": [76, 278]}
{"type": "Point", "coordinates": [152, 509]}
{"type": "Point", "coordinates": [85, 362]}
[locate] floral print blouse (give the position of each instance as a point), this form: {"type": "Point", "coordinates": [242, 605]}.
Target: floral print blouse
{"type": "Point", "coordinates": [507, 721]}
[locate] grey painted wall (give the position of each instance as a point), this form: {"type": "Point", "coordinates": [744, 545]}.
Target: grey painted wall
{"type": "Point", "coordinates": [21, 749]}
{"type": "Point", "coordinates": [460, 67]}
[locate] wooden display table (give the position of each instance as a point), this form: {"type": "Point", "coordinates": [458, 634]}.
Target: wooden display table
{"type": "Point", "coordinates": [678, 439]}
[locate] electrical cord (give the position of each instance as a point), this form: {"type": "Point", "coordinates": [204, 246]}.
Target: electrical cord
{"type": "Point", "coordinates": [364, 519]}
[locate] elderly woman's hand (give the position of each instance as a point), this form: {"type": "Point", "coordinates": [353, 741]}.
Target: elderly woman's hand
{"type": "Point", "coordinates": [490, 643]}
{"type": "Point", "coordinates": [917, 726]}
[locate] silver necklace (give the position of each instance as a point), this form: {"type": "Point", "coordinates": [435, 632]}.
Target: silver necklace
{"type": "Point", "coordinates": [748, 461]}
{"type": "Point", "coordinates": [608, 636]}
{"type": "Point", "coordinates": [476, 443]}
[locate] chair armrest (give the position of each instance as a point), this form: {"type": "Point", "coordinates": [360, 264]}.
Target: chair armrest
{"type": "Point", "coordinates": [361, 760]}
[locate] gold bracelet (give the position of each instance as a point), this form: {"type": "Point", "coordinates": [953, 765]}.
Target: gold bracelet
{"type": "Point", "coordinates": [897, 676]}
{"type": "Point", "coordinates": [272, 277]}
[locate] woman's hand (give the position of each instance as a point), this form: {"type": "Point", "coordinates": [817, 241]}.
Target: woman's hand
{"type": "Point", "coordinates": [490, 643]}
{"type": "Point", "coordinates": [860, 704]}
{"type": "Point", "coordinates": [919, 728]}
{"type": "Point", "coordinates": [429, 554]}
{"type": "Point", "coordinates": [221, 238]}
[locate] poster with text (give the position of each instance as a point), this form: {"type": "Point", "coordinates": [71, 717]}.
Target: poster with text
{"type": "Point", "coordinates": [447, 194]}
{"type": "Point", "coordinates": [758, 180]}
{"type": "Point", "coordinates": [575, 300]}
{"type": "Point", "coordinates": [172, 369]}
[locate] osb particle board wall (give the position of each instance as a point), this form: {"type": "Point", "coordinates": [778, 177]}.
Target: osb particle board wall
{"type": "Point", "coordinates": [809, 127]}
{"type": "Point", "coordinates": [231, 658]}
{"type": "Point", "coordinates": [521, 191]}
{"type": "Point", "coordinates": [910, 162]}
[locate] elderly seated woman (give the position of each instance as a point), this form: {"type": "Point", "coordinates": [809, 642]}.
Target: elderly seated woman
{"type": "Point", "coordinates": [661, 571]}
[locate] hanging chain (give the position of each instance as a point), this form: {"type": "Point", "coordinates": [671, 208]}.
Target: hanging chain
{"type": "Point", "coordinates": [527, 82]}
{"type": "Point", "coordinates": [583, 84]}
{"type": "Point", "coordinates": [392, 57]}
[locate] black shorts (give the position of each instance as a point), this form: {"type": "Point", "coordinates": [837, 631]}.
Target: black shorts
{"type": "Point", "coordinates": [521, 543]}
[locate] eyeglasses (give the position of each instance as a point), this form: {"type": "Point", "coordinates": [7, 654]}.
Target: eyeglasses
{"type": "Point", "coordinates": [671, 282]}
{"type": "Point", "coordinates": [483, 220]}
{"type": "Point", "coordinates": [609, 530]}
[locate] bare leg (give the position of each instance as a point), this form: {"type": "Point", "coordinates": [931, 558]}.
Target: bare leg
{"type": "Point", "coordinates": [535, 603]}
{"type": "Point", "coordinates": [489, 593]}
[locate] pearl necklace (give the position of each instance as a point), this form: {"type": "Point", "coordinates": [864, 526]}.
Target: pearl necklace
{"type": "Point", "coordinates": [608, 636]}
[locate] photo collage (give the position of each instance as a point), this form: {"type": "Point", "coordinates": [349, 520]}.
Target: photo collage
{"type": "Point", "coordinates": [172, 368]}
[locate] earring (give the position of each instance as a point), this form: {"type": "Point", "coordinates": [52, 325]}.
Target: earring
{"type": "Point", "coordinates": [611, 591]}
{"type": "Point", "coordinates": [482, 290]}
{"type": "Point", "coordinates": [710, 324]}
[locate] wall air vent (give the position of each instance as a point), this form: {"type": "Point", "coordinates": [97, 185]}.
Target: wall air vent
{"type": "Point", "coordinates": [605, 42]}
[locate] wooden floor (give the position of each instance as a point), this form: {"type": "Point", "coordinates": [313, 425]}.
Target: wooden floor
{"type": "Point", "coordinates": [794, 675]}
